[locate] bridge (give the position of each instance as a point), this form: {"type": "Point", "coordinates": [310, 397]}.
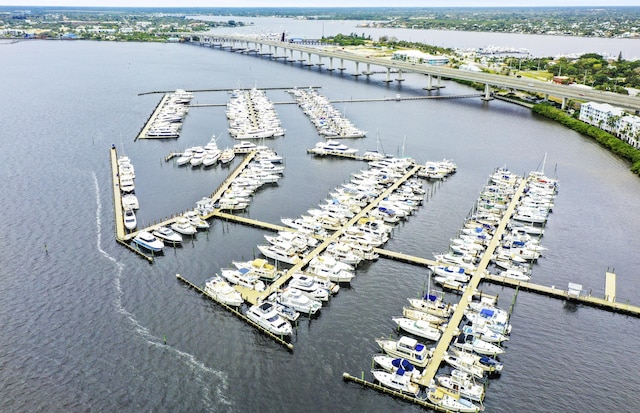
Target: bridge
{"type": "Point", "coordinates": [276, 49]}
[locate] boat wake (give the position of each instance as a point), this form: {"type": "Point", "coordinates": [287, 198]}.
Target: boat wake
{"type": "Point", "coordinates": [197, 367]}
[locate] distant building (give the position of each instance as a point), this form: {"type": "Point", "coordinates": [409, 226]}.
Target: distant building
{"type": "Point", "coordinates": [561, 80]}
{"type": "Point", "coordinates": [418, 57]}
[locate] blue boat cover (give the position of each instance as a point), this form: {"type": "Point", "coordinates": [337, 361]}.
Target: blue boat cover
{"type": "Point", "coordinates": [485, 312]}
{"type": "Point", "coordinates": [431, 297]}
{"type": "Point", "coordinates": [400, 372]}
{"type": "Point", "coordinates": [243, 271]}
{"type": "Point", "coordinates": [419, 347]}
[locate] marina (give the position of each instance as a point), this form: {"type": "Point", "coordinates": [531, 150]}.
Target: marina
{"type": "Point", "coordinates": [123, 319]}
{"type": "Point", "coordinates": [263, 296]}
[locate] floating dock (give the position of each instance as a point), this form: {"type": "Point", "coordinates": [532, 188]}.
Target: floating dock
{"type": "Point", "coordinates": [253, 296]}
{"type": "Point", "coordinates": [456, 318]}
{"type": "Point", "coordinates": [237, 313]}
{"type": "Point", "coordinates": [117, 195]}
{"type": "Point", "coordinates": [143, 132]}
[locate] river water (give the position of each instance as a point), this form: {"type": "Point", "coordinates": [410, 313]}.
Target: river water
{"type": "Point", "coordinates": [89, 326]}
{"type": "Point", "coordinates": [537, 45]}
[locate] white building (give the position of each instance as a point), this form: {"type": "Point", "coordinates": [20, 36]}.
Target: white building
{"type": "Point", "coordinates": [418, 57]}
{"type": "Point", "coordinates": [602, 115]}
{"type": "Point", "coordinates": [629, 130]}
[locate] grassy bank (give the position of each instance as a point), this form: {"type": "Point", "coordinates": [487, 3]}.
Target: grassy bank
{"type": "Point", "coordinates": [605, 139]}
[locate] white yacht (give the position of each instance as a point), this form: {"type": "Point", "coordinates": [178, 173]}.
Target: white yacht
{"type": "Point", "coordinates": [267, 317]}
{"type": "Point", "coordinates": [168, 235]}
{"type": "Point", "coordinates": [220, 290]}
{"type": "Point", "coordinates": [280, 253]}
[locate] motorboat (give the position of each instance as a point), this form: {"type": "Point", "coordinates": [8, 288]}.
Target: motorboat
{"type": "Point", "coordinates": [398, 380]}
{"type": "Point", "coordinates": [324, 283]}
{"type": "Point", "coordinates": [218, 289]}
{"type": "Point", "coordinates": [309, 287]}
{"type": "Point", "coordinates": [418, 328]}
{"type": "Point", "coordinates": [148, 241]}
{"type": "Point", "coordinates": [244, 278]}
{"type": "Point", "coordinates": [486, 364]}
{"type": "Point", "coordinates": [414, 314]}
{"type": "Point", "coordinates": [280, 253]}
{"type": "Point", "coordinates": [130, 201]}
{"type": "Point", "coordinates": [392, 364]}
{"type": "Point", "coordinates": [484, 333]}
{"type": "Point", "coordinates": [183, 226]}
{"type": "Point", "coordinates": [127, 184]}
{"type": "Point", "coordinates": [294, 298]}
{"type": "Point", "coordinates": [130, 221]}
{"type": "Point", "coordinates": [226, 156]}
{"type": "Point", "coordinates": [286, 312]}
{"type": "Point", "coordinates": [432, 305]}
{"type": "Point", "coordinates": [450, 401]}
{"type": "Point", "coordinates": [266, 316]}
{"type": "Point", "coordinates": [261, 268]}
{"type": "Point", "coordinates": [473, 343]}
{"type": "Point", "coordinates": [211, 157]}
{"type": "Point", "coordinates": [332, 146]}
{"type": "Point", "coordinates": [463, 383]}
{"type": "Point", "coordinates": [465, 362]}
{"type": "Point", "coordinates": [195, 220]}
{"type": "Point", "coordinates": [185, 157]}
{"type": "Point", "coordinates": [515, 275]}
{"type": "Point", "coordinates": [327, 267]}
{"type": "Point", "coordinates": [408, 348]}
{"type": "Point", "coordinates": [198, 156]}
{"type": "Point", "coordinates": [168, 235]}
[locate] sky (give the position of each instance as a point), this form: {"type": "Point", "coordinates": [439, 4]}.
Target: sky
{"type": "Point", "coordinates": [317, 3]}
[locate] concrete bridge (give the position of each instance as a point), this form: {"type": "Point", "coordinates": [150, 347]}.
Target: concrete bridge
{"type": "Point", "coordinates": [316, 56]}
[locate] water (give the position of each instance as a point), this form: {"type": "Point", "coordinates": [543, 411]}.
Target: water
{"type": "Point", "coordinates": [537, 45]}
{"type": "Point", "coordinates": [85, 321]}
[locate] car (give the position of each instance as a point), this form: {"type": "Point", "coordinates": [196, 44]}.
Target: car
{"type": "Point", "coordinates": [530, 84]}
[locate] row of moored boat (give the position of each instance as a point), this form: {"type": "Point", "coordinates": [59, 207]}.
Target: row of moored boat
{"type": "Point", "coordinates": [326, 118]}
{"type": "Point", "coordinates": [251, 115]}
{"type": "Point", "coordinates": [474, 351]}
{"type": "Point", "coordinates": [168, 120]}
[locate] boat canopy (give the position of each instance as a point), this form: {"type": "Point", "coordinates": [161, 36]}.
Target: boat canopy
{"type": "Point", "coordinates": [488, 313]}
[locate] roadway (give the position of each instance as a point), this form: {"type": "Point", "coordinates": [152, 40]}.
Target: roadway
{"type": "Point", "coordinates": [499, 81]}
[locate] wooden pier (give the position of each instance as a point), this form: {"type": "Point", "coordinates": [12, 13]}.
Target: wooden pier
{"type": "Point", "coordinates": [253, 296]}
{"type": "Point", "coordinates": [452, 327]}
{"type": "Point", "coordinates": [394, 393]}
{"type": "Point", "coordinates": [143, 132]}
{"type": "Point", "coordinates": [237, 313]}
{"type": "Point", "coordinates": [117, 195]}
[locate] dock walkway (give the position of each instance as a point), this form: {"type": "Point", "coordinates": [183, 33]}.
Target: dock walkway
{"type": "Point", "coordinates": [253, 296]}
{"type": "Point", "coordinates": [452, 327]}
{"type": "Point", "coordinates": [143, 132]}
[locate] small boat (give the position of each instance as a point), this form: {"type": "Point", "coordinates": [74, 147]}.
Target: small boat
{"type": "Point", "coordinates": [418, 328]}
{"type": "Point", "coordinates": [148, 241]}
{"type": "Point", "coordinates": [450, 401]}
{"type": "Point", "coordinates": [168, 235]}
{"type": "Point", "coordinates": [185, 157]}
{"type": "Point", "coordinates": [183, 226]}
{"type": "Point", "coordinates": [392, 364]}
{"type": "Point", "coordinates": [198, 156]}
{"type": "Point", "coordinates": [126, 184]}
{"type": "Point", "coordinates": [465, 362]}
{"type": "Point", "coordinates": [130, 221]}
{"type": "Point", "coordinates": [484, 363]}
{"type": "Point", "coordinates": [266, 316]}
{"type": "Point", "coordinates": [211, 157]}
{"type": "Point", "coordinates": [408, 348]}
{"type": "Point", "coordinates": [218, 289]}
{"type": "Point", "coordinates": [295, 299]}
{"type": "Point", "coordinates": [463, 383]}
{"type": "Point", "coordinates": [286, 312]}
{"type": "Point", "coordinates": [398, 380]}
